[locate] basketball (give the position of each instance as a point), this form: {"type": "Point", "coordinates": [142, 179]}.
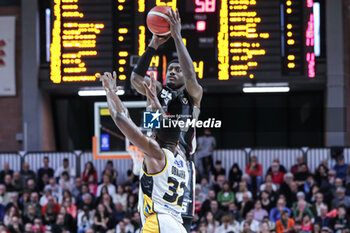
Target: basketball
{"type": "Point", "coordinates": [157, 21]}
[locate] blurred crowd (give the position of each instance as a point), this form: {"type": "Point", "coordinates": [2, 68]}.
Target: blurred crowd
{"type": "Point", "coordinates": [241, 200]}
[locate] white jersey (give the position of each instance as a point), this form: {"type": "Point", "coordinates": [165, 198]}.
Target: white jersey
{"type": "Point", "coordinates": [162, 193]}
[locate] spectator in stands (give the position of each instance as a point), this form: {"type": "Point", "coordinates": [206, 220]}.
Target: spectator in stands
{"type": "Point", "coordinates": [89, 170]}
{"type": "Point", "coordinates": [15, 201]}
{"type": "Point", "coordinates": [106, 200]}
{"type": "Point", "coordinates": [8, 183]}
{"type": "Point", "coordinates": [253, 224]}
{"type": "Point", "coordinates": [214, 208]}
{"type": "Point", "coordinates": [285, 185]}
{"type": "Point", "coordinates": [65, 168]}
{"type": "Point", "coordinates": [341, 199]}
{"type": "Point", "coordinates": [101, 219]}
{"type": "Point", "coordinates": [280, 166]}
{"type": "Point", "coordinates": [43, 182]}
{"type": "Point", "coordinates": [233, 211]}
{"type": "Point", "coordinates": [5, 197]}
{"type": "Point", "coordinates": [217, 171]}
{"type": "Point", "coordinates": [206, 204]}
{"type": "Point", "coordinates": [34, 201]}
{"type": "Point", "coordinates": [10, 212]}
{"type": "Point", "coordinates": [218, 183]}
{"type": "Point", "coordinates": [205, 147]}
{"type": "Point", "coordinates": [199, 196]}
{"type": "Point", "coordinates": [205, 186]}
{"type": "Point", "coordinates": [235, 176]}
{"type": "Point", "coordinates": [292, 195]}
{"type": "Point", "coordinates": [44, 198]}
{"type": "Point", "coordinates": [342, 221]}
{"type": "Point", "coordinates": [245, 205]}
{"type": "Point", "coordinates": [258, 212]}
{"type": "Point", "coordinates": [301, 210]}
{"type": "Point", "coordinates": [15, 226]}
{"type": "Point", "coordinates": [321, 174]}
{"type": "Point", "coordinates": [45, 169]}
{"type": "Point", "coordinates": [302, 174]}
{"type": "Point", "coordinates": [132, 203]}
{"type": "Point", "coordinates": [49, 215]}
{"type": "Point", "coordinates": [31, 185]}
{"type": "Point", "coordinates": [225, 196]}
{"type": "Point", "coordinates": [316, 207]}
{"type": "Point", "coordinates": [121, 196]}
{"type": "Point", "coordinates": [106, 183]}
{"type": "Point", "coordinates": [69, 207]}
{"type": "Point", "coordinates": [277, 175]}
{"type": "Point", "coordinates": [111, 172]}
{"type": "Point", "coordinates": [55, 189]}
{"type": "Point", "coordinates": [17, 182]}
{"type": "Point", "coordinates": [323, 219]}
{"type": "Point", "coordinates": [254, 170]}
{"type": "Point", "coordinates": [228, 225]}
{"type": "Point", "coordinates": [38, 226]}
{"type": "Point", "coordinates": [5, 171]}
{"type": "Point", "coordinates": [242, 189]}
{"type": "Point", "coordinates": [309, 185]}
{"type": "Point", "coordinates": [87, 200]}
{"type": "Point", "coordinates": [212, 224]}
{"type": "Point", "coordinates": [340, 167]}
{"type": "Point", "coordinates": [51, 202]}
{"type": "Point", "coordinates": [296, 167]}
{"type": "Point", "coordinates": [92, 185]}
{"type": "Point", "coordinates": [85, 219]}
{"type": "Point", "coordinates": [118, 214]}
{"type": "Point", "coordinates": [276, 212]}
{"type": "Point", "coordinates": [26, 173]}
{"type": "Point", "coordinates": [76, 190]}
{"type": "Point", "coordinates": [69, 222]}
{"type": "Point", "coordinates": [327, 186]}
{"type": "Point", "coordinates": [266, 202]}
{"type": "Point", "coordinates": [268, 186]}
{"type": "Point", "coordinates": [30, 216]}
{"type": "Point", "coordinates": [65, 182]}
{"type": "Point", "coordinates": [285, 224]}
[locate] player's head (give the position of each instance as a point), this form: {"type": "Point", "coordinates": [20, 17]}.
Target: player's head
{"type": "Point", "coordinates": [167, 138]}
{"type": "Point", "coordinates": [174, 75]}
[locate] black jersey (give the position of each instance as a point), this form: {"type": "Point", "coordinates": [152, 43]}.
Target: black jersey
{"type": "Point", "coordinates": [180, 105]}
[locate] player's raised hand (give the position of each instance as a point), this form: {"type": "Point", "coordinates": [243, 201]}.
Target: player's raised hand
{"type": "Point", "coordinates": [158, 41]}
{"type": "Point", "coordinates": [175, 23]}
{"type": "Point", "coordinates": [109, 82]}
{"type": "Point", "coordinates": [151, 91]}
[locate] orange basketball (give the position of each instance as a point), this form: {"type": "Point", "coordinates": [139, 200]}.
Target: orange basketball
{"type": "Point", "coordinates": [157, 21]}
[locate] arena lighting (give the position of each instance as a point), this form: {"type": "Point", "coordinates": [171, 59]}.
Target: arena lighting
{"type": "Point", "coordinates": [96, 92]}
{"type": "Point", "coordinates": [266, 88]}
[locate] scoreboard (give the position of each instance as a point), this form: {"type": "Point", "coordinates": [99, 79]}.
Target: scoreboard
{"type": "Point", "coordinates": [235, 40]}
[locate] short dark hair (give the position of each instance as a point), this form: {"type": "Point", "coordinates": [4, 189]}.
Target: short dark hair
{"type": "Point", "coordinates": [173, 61]}
{"type": "Point", "coordinates": [65, 160]}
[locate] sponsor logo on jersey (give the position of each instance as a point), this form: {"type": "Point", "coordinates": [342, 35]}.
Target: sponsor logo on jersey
{"type": "Point", "coordinates": [166, 95]}
{"type": "Point", "coordinates": [179, 163]}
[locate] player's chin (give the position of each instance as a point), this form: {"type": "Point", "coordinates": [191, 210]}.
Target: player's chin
{"type": "Point", "coordinates": [171, 84]}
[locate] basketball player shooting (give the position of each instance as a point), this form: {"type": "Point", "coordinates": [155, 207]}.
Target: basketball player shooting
{"type": "Point", "coordinates": [163, 177]}
{"type": "Point", "coordinates": [182, 94]}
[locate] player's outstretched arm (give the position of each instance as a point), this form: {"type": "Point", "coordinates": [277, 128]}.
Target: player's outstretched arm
{"type": "Point", "coordinates": [120, 116]}
{"type": "Point", "coordinates": [194, 89]}
{"type": "Point", "coordinates": [138, 75]}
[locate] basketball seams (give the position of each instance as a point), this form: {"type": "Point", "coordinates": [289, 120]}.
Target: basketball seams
{"type": "Point", "coordinates": [158, 24]}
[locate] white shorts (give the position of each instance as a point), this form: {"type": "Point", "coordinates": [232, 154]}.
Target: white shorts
{"type": "Point", "coordinates": [162, 223]}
